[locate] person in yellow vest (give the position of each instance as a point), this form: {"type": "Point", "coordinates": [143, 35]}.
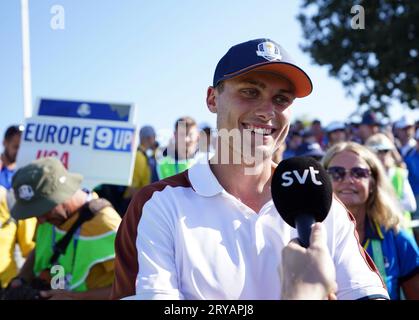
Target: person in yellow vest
{"type": "Point", "coordinates": [181, 155]}
{"type": "Point", "coordinates": [13, 233]}
{"type": "Point", "coordinates": [83, 267]}
{"type": "Point", "coordinates": [145, 166]}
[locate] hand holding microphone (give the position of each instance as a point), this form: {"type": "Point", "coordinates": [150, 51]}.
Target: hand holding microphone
{"type": "Point", "coordinates": [302, 194]}
{"type": "Point", "coordinates": [308, 274]}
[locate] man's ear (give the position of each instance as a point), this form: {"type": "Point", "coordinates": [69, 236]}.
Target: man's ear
{"type": "Point", "coordinates": [211, 99]}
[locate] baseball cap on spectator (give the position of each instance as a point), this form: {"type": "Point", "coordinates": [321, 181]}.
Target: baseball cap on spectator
{"type": "Point", "coordinates": [404, 122]}
{"type": "Point", "coordinates": [310, 149]}
{"type": "Point", "coordinates": [262, 55]}
{"type": "Point", "coordinates": [42, 185]}
{"type": "Point", "coordinates": [334, 126]}
{"type": "Point", "coordinates": [379, 142]}
{"type": "Point", "coordinates": [293, 133]}
{"type": "Point", "coordinates": [147, 131]}
{"type": "Point", "coordinates": [370, 118]}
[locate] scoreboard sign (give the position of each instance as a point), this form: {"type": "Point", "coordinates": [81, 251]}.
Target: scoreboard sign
{"type": "Point", "coordinates": [97, 140]}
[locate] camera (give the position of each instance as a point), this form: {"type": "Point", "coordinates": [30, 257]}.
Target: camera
{"type": "Point", "coordinates": [26, 291]}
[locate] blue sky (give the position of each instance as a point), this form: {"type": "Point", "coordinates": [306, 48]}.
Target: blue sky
{"type": "Point", "coordinates": [160, 55]}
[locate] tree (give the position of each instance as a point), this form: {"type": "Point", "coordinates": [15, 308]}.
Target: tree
{"type": "Point", "coordinates": [378, 63]}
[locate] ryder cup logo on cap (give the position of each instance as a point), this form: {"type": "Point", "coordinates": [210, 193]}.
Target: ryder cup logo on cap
{"type": "Point", "coordinates": [25, 192]}
{"type": "Point", "coordinates": [269, 51]}
{"type": "Point", "coordinates": [262, 55]}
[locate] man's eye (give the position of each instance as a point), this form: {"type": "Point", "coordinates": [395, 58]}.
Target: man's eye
{"type": "Point", "coordinates": [282, 100]}
{"type": "Point", "coordinates": [253, 93]}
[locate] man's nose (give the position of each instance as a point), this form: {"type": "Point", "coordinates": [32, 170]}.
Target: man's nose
{"type": "Point", "coordinates": [266, 110]}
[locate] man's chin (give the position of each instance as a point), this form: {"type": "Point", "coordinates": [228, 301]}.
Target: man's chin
{"type": "Point", "coordinates": [258, 155]}
{"type": "Point", "coordinates": [9, 158]}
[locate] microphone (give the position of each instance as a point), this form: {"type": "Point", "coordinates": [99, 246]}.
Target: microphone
{"type": "Point", "coordinates": [302, 194]}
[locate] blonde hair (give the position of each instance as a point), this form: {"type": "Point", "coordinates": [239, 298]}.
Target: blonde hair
{"type": "Point", "coordinates": [382, 204]}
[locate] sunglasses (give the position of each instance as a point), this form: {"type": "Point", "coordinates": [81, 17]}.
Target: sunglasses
{"type": "Point", "coordinates": [383, 152]}
{"type": "Point", "coordinates": [339, 173]}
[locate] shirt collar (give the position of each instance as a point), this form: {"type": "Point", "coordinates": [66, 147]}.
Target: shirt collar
{"type": "Point", "coordinates": [203, 180]}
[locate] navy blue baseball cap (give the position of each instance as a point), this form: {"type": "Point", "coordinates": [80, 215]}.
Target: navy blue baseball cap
{"type": "Point", "coordinates": [309, 149]}
{"type": "Point", "coordinates": [262, 55]}
{"type": "Point", "coordinates": [370, 118]}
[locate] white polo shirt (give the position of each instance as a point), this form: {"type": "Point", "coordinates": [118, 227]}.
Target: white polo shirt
{"type": "Point", "coordinates": [185, 237]}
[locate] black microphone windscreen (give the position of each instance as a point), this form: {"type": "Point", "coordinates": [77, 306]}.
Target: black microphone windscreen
{"type": "Point", "coordinates": [300, 185]}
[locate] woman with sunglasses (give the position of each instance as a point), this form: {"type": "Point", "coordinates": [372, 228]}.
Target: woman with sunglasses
{"type": "Point", "coordinates": [360, 182]}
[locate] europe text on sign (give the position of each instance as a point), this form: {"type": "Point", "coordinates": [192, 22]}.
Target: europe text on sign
{"type": "Point", "coordinates": [102, 150]}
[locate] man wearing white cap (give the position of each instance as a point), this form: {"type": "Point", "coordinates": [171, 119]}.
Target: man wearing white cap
{"type": "Point", "coordinates": [335, 133]}
{"type": "Point", "coordinates": [405, 128]}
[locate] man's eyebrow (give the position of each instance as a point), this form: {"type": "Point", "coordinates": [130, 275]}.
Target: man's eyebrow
{"type": "Point", "coordinates": [255, 82]}
{"type": "Point", "coordinates": [263, 86]}
{"type": "Point", "coordinates": [291, 92]}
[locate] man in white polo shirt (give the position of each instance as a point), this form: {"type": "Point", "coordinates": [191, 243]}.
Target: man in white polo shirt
{"type": "Point", "coordinates": [212, 232]}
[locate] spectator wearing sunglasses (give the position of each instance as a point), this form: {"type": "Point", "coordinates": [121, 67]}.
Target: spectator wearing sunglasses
{"type": "Point", "coordinates": [395, 168]}
{"type": "Point", "coordinates": [360, 182]}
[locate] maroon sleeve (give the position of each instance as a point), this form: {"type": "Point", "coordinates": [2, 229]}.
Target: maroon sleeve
{"type": "Point", "coordinates": [126, 261]}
